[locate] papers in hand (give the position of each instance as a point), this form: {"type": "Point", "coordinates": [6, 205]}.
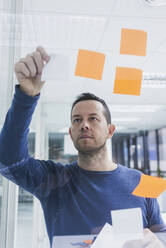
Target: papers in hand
{"type": "Point", "coordinates": [127, 225]}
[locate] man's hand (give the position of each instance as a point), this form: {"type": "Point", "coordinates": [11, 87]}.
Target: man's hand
{"type": "Point", "coordinates": [29, 70]}
{"type": "Point", "coordinates": [149, 241]}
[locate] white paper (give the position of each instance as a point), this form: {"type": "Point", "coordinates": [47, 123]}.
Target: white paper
{"type": "Point", "coordinates": [104, 238]}
{"type": "Point", "coordinates": [127, 224]}
{"type": "Point", "coordinates": [57, 68]}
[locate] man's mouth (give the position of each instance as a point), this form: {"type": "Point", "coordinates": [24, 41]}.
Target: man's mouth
{"type": "Point", "coordinates": [85, 137]}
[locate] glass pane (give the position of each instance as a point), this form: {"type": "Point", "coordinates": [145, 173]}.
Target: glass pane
{"type": "Point", "coordinates": [24, 232]}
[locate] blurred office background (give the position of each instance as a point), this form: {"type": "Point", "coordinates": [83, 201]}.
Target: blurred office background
{"type": "Point", "coordinates": [63, 27]}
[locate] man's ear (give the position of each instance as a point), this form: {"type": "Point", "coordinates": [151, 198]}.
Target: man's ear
{"type": "Point", "coordinates": [111, 130]}
{"type": "Point", "coordinates": [70, 132]}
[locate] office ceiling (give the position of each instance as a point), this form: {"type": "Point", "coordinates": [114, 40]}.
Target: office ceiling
{"type": "Point", "coordinates": [65, 26]}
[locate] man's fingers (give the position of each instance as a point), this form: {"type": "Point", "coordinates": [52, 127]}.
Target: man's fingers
{"type": "Point", "coordinates": [21, 69]}
{"type": "Point", "coordinates": [134, 244]}
{"type": "Point", "coordinates": [147, 231]}
{"type": "Point", "coordinates": [43, 53]}
{"type": "Point", "coordinates": [34, 63]}
{"type": "Point", "coordinates": [149, 241]}
{"type": "Point", "coordinates": [31, 65]}
{"type": "Point", "coordinates": [38, 62]}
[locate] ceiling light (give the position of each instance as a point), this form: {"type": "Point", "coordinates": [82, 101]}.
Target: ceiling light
{"type": "Point", "coordinates": [153, 84]}
{"type": "Point", "coordinates": [125, 119]}
{"type": "Point", "coordinates": [136, 108]}
{"type": "Point", "coordinates": [155, 2]}
{"type": "Point", "coordinates": [154, 80]}
{"type": "Point", "coordinates": [154, 76]}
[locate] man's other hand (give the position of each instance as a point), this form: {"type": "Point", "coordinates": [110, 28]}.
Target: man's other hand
{"type": "Point", "coordinates": [149, 241]}
{"type": "Point", "coordinates": [29, 70]}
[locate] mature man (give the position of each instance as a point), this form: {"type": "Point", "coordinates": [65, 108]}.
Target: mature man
{"type": "Point", "coordinates": [76, 198]}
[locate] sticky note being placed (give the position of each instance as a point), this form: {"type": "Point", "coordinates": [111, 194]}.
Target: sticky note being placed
{"type": "Point", "coordinates": [150, 186]}
{"type": "Point", "coordinates": [128, 81]}
{"type": "Point", "coordinates": [127, 224]}
{"type": "Point", "coordinates": [133, 42]}
{"type": "Point", "coordinates": [90, 64]}
{"type": "Point", "coordinates": [57, 68]}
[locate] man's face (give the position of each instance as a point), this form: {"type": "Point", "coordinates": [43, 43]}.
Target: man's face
{"type": "Point", "coordinates": [89, 129]}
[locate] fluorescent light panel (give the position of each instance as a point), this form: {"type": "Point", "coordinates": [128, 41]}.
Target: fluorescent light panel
{"type": "Point", "coordinates": [155, 2]}
{"type": "Point", "coordinates": [130, 119]}
{"type": "Point", "coordinates": [136, 108]}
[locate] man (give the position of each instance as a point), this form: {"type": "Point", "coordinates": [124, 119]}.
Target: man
{"type": "Point", "coordinates": [76, 198]}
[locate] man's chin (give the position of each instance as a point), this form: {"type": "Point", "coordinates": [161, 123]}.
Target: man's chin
{"type": "Point", "coordinates": [85, 149]}
{"type": "Point", "coordinates": [89, 149]}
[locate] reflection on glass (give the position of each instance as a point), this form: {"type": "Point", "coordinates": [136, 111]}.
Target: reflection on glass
{"type": "Point", "coordinates": [24, 232]}
{"type": "Point", "coordinates": [56, 149]}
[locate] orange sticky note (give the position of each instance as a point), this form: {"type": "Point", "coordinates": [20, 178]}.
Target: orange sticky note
{"type": "Point", "coordinates": [128, 81]}
{"type": "Point", "coordinates": [133, 42]}
{"type": "Point", "coordinates": [90, 64]}
{"type": "Point", "coordinates": [150, 186]}
{"type": "Point", "coordinates": [88, 242]}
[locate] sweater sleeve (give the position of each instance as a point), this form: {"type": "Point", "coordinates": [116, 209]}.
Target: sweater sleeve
{"type": "Point", "coordinates": [14, 134]}
{"type": "Point", "coordinates": [156, 223]}
{"type": "Point", "coordinates": [39, 177]}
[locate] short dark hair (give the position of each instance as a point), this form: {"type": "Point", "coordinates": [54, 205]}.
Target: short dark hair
{"type": "Point", "coordinates": [89, 96]}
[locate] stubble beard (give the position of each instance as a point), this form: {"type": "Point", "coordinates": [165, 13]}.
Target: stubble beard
{"type": "Point", "coordinates": [91, 151]}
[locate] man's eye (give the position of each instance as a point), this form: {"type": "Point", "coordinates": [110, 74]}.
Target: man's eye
{"type": "Point", "coordinates": [76, 120]}
{"type": "Point", "coordinates": [93, 118]}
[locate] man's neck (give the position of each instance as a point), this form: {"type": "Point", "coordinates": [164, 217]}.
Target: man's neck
{"type": "Point", "coordinates": [95, 162]}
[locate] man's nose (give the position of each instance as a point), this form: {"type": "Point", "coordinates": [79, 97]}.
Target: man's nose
{"type": "Point", "coordinates": [85, 125]}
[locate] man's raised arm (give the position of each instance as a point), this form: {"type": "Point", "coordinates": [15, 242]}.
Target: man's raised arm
{"type": "Point", "coordinates": [13, 137]}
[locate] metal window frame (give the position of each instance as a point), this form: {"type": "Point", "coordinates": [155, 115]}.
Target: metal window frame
{"type": "Point", "coordinates": [10, 190]}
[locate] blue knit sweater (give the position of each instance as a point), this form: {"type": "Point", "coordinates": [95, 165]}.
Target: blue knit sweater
{"type": "Point", "coordinates": [75, 201]}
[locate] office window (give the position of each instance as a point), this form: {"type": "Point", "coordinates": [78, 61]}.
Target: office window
{"type": "Point", "coordinates": [152, 152]}
{"type": "Point", "coordinates": [162, 149]}
{"type": "Point", "coordinates": [140, 152]}
{"type": "Point", "coordinates": [126, 151]}
{"type": "Point", "coordinates": [133, 152]}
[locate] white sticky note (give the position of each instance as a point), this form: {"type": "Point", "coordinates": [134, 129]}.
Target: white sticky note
{"type": "Point", "coordinates": [127, 224]}
{"type": "Point", "coordinates": [57, 68]}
